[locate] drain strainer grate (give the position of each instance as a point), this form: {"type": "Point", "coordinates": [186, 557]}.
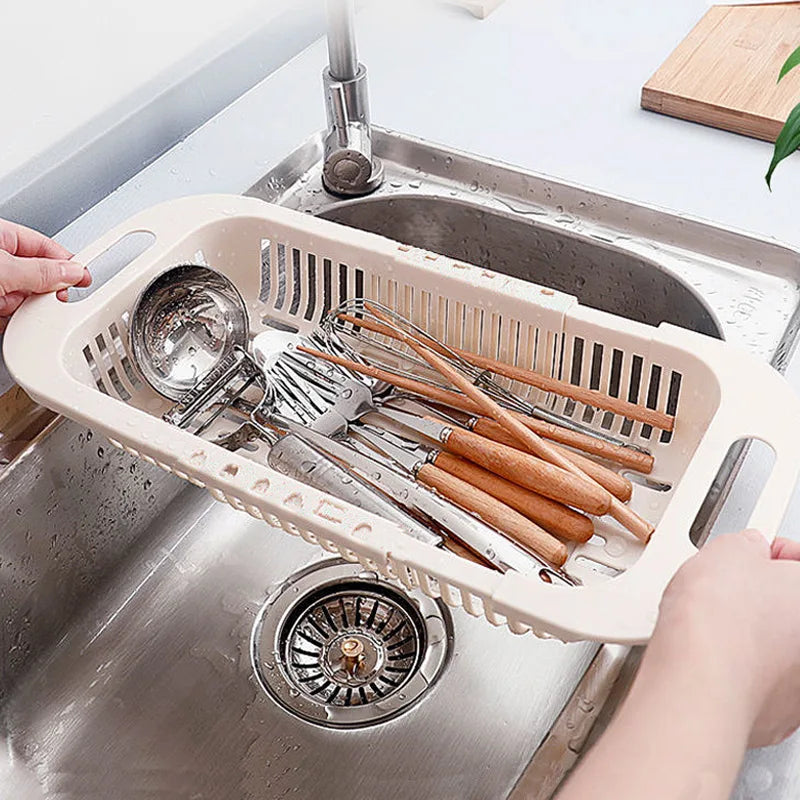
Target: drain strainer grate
{"type": "Point", "coordinates": [341, 647]}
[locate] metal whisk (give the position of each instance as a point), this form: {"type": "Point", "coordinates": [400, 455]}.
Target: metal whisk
{"type": "Point", "coordinates": [368, 338]}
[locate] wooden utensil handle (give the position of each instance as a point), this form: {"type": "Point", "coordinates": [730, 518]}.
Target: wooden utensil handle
{"type": "Point", "coordinates": [552, 516]}
{"type": "Point", "coordinates": [639, 527]}
{"type": "Point", "coordinates": [625, 456]}
{"type": "Point", "coordinates": [618, 485]}
{"type": "Point", "coordinates": [529, 471]}
{"type": "Point", "coordinates": [590, 397]}
{"type": "Point", "coordinates": [497, 514]}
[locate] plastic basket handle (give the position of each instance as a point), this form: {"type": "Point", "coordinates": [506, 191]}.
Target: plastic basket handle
{"type": "Point", "coordinates": [169, 222]}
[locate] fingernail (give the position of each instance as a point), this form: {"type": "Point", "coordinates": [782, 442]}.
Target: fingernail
{"type": "Point", "coordinates": [71, 272]}
{"type": "Point", "coordinates": [755, 536]}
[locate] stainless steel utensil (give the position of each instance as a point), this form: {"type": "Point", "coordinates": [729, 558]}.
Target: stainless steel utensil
{"type": "Point", "coordinates": [308, 387]}
{"type": "Point", "coordinates": [388, 353]}
{"type": "Point", "coordinates": [454, 521]}
{"type": "Point", "coordinates": [188, 336]}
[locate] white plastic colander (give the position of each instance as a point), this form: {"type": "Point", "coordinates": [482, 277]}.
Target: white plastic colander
{"type": "Point", "coordinates": [291, 268]}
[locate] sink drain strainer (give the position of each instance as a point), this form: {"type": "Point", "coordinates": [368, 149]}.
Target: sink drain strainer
{"type": "Point", "coordinates": [343, 648]}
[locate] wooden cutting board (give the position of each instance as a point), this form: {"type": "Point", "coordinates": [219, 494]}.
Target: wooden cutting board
{"type": "Point", "coordinates": [724, 72]}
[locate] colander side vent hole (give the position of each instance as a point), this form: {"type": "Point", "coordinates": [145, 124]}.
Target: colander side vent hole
{"type": "Point", "coordinates": [673, 396]}
{"type": "Point", "coordinates": [358, 275]}
{"type": "Point", "coordinates": [266, 265]}
{"type": "Point", "coordinates": [106, 369]}
{"type": "Point", "coordinates": [311, 305]}
{"type": "Point", "coordinates": [576, 371]}
{"type": "Point", "coordinates": [327, 285]}
{"type": "Point", "coordinates": [280, 289]}
{"type": "Point", "coordinates": [343, 294]}
{"type": "Point", "coordinates": [95, 372]}
{"type": "Point", "coordinates": [296, 281]}
{"type": "Point", "coordinates": [121, 391]}
{"type": "Point", "coordinates": [634, 385]}
{"type": "Point", "coordinates": [558, 355]}
{"type": "Point", "coordinates": [651, 401]}
{"type": "Point", "coordinates": [122, 354]}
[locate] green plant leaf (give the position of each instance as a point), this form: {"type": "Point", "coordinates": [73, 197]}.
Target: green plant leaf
{"type": "Point", "coordinates": [787, 142]}
{"type": "Point", "coordinates": [791, 63]}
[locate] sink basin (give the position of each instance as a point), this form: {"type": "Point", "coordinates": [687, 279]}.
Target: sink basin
{"type": "Point", "coordinates": [128, 601]}
{"type": "Point", "coordinates": [143, 623]}
{"type": "Point", "coordinates": [602, 276]}
{"type": "Point", "coordinates": [630, 259]}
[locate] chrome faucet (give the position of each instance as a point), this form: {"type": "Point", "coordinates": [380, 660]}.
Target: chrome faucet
{"type": "Point", "coordinates": [349, 168]}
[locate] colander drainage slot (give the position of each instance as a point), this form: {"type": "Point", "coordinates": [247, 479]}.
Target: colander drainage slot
{"type": "Point", "coordinates": [343, 648]}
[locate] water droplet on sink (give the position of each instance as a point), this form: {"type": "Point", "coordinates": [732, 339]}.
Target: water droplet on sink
{"type": "Point", "coordinates": [415, 184]}
{"type": "Point", "coordinates": [473, 187]}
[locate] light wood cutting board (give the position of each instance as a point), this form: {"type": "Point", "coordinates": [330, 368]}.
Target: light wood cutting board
{"type": "Point", "coordinates": [724, 72]}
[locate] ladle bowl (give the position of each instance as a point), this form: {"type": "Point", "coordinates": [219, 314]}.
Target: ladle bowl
{"type": "Point", "coordinates": [185, 323]}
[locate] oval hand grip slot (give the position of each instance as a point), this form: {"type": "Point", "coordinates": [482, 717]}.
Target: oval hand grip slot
{"type": "Point", "coordinates": [753, 461]}
{"type": "Point", "coordinates": [113, 259]}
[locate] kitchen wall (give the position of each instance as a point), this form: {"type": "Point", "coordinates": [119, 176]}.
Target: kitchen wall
{"type": "Point", "coordinates": [93, 91]}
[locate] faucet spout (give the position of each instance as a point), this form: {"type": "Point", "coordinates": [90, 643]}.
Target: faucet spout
{"type": "Point", "coordinates": [350, 168]}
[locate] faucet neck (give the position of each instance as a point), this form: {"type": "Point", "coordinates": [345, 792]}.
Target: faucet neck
{"type": "Point", "coordinates": [342, 53]}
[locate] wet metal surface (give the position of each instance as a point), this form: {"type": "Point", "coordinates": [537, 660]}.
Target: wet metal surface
{"type": "Point", "coordinates": [136, 679]}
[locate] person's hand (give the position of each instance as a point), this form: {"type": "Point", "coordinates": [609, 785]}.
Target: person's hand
{"type": "Point", "coordinates": [30, 263]}
{"type": "Point", "coordinates": [738, 600]}
{"type": "Point", "coordinates": [721, 673]}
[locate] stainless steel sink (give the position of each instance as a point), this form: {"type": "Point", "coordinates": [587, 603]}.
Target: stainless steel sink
{"type": "Point", "coordinates": [510, 244]}
{"type": "Point", "coordinates": [128, 600]}
{"type": "Point", "coordinates": [142, 624]}
{"type": "Point", "coordinates": [627, 258]}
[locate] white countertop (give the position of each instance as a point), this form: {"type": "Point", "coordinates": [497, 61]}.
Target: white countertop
{"type": "Point", "coordinates": [553, 87]}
